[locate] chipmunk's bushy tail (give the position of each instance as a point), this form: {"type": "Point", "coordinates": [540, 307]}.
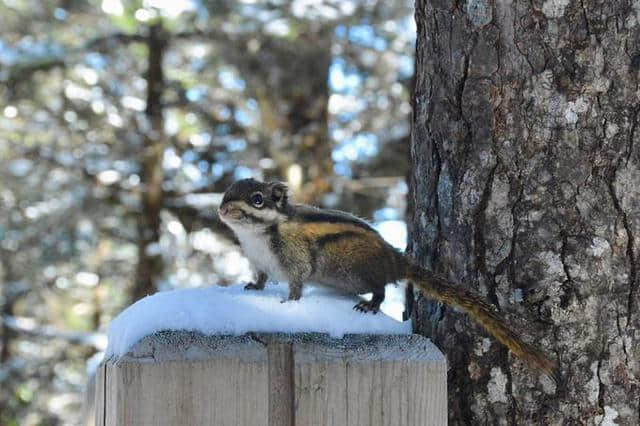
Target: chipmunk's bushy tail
{"type": "Point", "coordinates": [441, 290]}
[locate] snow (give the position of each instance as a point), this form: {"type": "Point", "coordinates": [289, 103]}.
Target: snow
{"type": "Point", "coordinates": [234, 311]}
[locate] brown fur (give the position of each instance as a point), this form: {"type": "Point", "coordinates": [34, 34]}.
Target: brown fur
{"type": "Point", "coordinates": [337, 249]}
{"type": "Point", "coordinates": [343, 256]}
{"type": "Point", "coordinates": [438, 289]}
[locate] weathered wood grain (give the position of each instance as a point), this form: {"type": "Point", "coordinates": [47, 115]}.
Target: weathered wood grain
{"type": "Point", "coordinates": [182, 378]}
{"type": "Point", "coordinates": [370, 380]}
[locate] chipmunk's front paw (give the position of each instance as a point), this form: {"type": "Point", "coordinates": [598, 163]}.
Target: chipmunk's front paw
{"type": "Point", "coordinates": [254, 286]}
{"type": "Point", "coordinates": [365, 306]}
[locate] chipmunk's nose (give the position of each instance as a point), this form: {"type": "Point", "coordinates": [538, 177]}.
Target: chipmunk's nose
{"type": "Point", "coordinates": [223, 210]}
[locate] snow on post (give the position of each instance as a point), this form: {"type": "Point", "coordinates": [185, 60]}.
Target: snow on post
{"type": "Point", "coordinates": [224, 356]}
{"type": "Point", "coordinates": [233, 311]}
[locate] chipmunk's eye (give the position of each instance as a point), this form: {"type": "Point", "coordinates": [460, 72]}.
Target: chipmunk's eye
{"type": "Point", "coordinates": [257, 200]}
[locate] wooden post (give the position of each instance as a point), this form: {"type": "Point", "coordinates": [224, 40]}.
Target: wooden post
{"type": "Point", "coordinates": [182, 378]}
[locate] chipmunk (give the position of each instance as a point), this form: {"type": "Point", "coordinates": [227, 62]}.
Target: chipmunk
{"type": "Point", "coordinates": [297, 243]}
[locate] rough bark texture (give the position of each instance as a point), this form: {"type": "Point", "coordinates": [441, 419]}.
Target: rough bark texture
{"type": "Point", "coordinates": [526, 187]}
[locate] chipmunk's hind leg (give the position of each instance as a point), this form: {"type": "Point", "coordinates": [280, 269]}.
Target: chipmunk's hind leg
{"type": "Point", "coordinates": [259, 284]}
{"type": "Point", "coordinates": [372, 305]}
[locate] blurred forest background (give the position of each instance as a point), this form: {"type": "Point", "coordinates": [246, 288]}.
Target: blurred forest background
{"type": "Point", "coordinates": [122, 122]}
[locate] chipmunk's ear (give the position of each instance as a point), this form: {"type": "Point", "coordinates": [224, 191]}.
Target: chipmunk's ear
{"type": "Point", "coordinates": [279, 193]}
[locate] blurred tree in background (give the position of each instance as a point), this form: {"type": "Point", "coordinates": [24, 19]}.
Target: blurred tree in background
{"type": "Point", "coordinates": [122, 122]}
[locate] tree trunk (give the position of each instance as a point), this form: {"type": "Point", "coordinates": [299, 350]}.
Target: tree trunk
{"type": "Point", "coordinates": [7, 303]}
{"type": "Point", "coordinates": [149, 259]}
{"type": "Point", "coordinates": [526, 187]}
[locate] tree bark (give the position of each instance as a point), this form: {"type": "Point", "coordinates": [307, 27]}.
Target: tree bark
{"type": "Point", "coordinates": [149, 260]}
{"type": "Point", "coordinates": [7, 303]}
{"type": "Point", "coordinates": [526, 187]}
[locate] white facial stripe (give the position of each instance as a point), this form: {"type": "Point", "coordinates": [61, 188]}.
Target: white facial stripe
{"type": "Point", "coordinates": [267, 215]}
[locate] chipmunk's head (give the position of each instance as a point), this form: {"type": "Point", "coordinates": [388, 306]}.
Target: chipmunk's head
{"type": "Point", "coordinates": [251, 203]}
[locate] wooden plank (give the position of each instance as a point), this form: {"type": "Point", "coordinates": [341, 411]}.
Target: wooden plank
{"type": "Point", "coordinates": [370, 380]}
{"type": "Point", "coordinates": [281, 387]}
{"type": "Point", "coordinates": [99, 383]}
{"type": "Point", "coordinates": [305, 379]}
{"type": "Point", "coordinates": [320, 386]}
{"type": "Point", "coordinates": [191, 381]}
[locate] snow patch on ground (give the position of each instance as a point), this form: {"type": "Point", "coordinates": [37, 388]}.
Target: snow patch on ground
{"type": "Point", "coordinates": [233, 311]}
